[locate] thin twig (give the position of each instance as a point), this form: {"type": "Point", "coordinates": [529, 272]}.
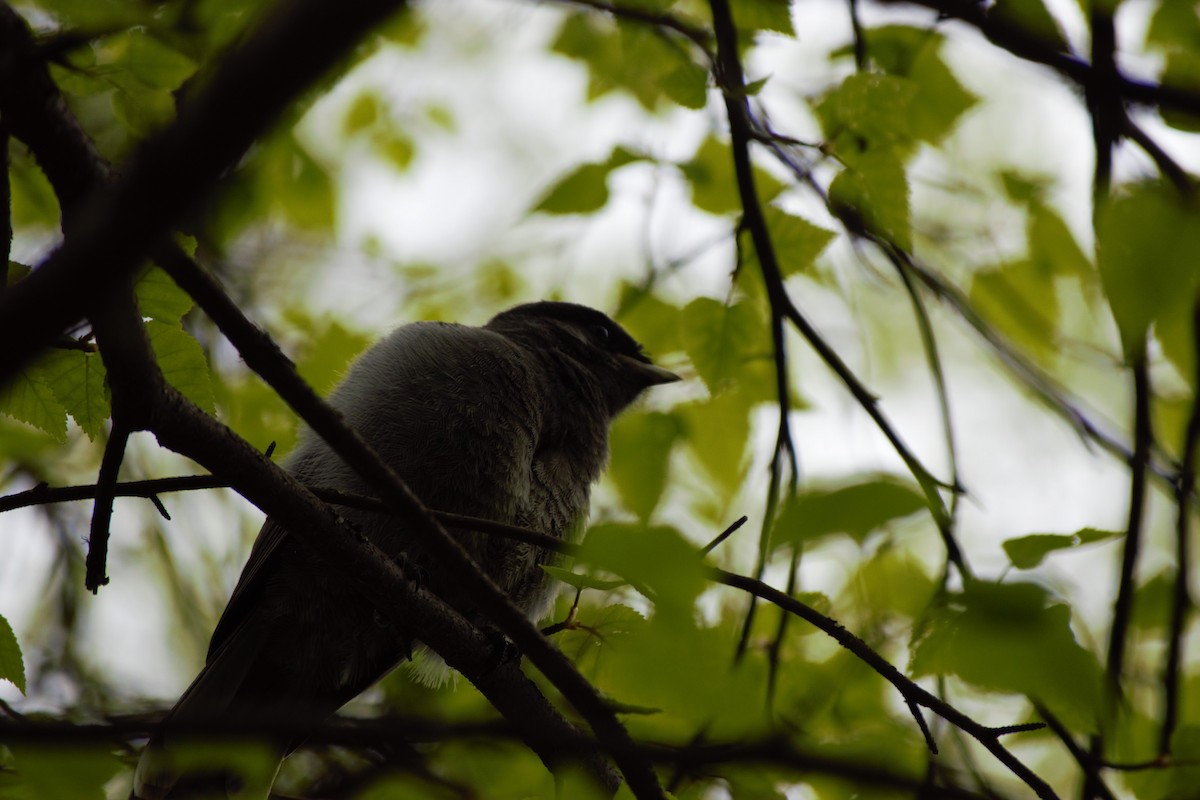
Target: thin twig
{"type": "Point", "coordinates": [723, 535]}
{"type": "Point", "coordinates": [1082, 758]}
{"type": "Point", "coordinates": [954, 553]}
{"type": "Point", "coordinates": [1143, 436]}
{"type": "Point", "coordinates": [1181, 601]}
{"type": "Point", "coordinates": [110, 465]}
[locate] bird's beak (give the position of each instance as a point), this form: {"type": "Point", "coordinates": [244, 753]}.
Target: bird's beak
{"type": "Point", "coordinates": [651, 374]}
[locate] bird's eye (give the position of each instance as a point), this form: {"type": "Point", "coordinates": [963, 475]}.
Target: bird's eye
{"type": "Point", "coordinates": [601, 333]}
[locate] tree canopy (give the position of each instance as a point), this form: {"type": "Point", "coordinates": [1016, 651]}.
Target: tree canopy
{"type": "Point", "coordinates": [916, 524]}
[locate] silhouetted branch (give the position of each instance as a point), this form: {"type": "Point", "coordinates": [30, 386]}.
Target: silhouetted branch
{"type": "Point", "coordinates": [110, 465]}
{"type": "Point", "coordinates": [1181, 600]}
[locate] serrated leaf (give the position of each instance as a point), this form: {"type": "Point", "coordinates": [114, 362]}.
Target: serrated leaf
{"type": "Point", "coordinates": [78, 382]}
{"type": "Point", "coordinates": [1027, 552]}
{"type": "Point", "coordinates": [182, 362]}
{"type": "Point", "coordinates": [160, 298]}
{"type": "Point", "coordinates": [1012, 637]}
{"type": "Point", "coordinates": [12, 664]}
{"type": "Point", "coordinates": [29, 398]}
{"type": "Point", "coordinates": [856, 510]}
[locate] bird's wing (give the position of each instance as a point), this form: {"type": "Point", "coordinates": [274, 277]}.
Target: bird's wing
{"type": "Point", "coordinates": [249, 587]}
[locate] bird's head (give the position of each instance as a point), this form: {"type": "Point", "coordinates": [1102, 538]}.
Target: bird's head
{"type": "Point", "coordinates": [583, 344]}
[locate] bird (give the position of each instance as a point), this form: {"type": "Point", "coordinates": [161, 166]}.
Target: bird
{"type": "Point", "coordinates": [507, 421]}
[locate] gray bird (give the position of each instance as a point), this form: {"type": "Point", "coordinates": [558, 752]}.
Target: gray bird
{"type": "Point", "coordinates": [508, 422]}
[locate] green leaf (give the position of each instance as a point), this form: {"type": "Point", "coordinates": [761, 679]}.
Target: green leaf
{"type": "Point", "coordinates": [1174, 26]}
{"type": "Point", "coordinates": [941, 99]}
{"type": "Point", "coordinates": [182, 362]}
{"type": "Point", "coordinates": [581, 192]}
{"type": "Point", "coordinates": [711, 175]}
{"type": "Point", "coordinates": [655, 559]}
{"type": "Point", "coordinates": [1031, 19]}
{"type": "Point", "coordinates": [717, 432]}
{"type": "Point", "coordinates": [1012, 638]}
{"type": "Point", "coordinates": [77, 772]}
{"type": "Point", "coordinates": [300, 187]}
{"type": "Point", "coordinates": [152, 61]}
{"type": "Point", "coordinates": [855, 509]}
{"type": "Point", "coordinates": [585, 189]}
{"type": "Point", "coordinates": [892, 582]}
{"type": "Point", "coordinates": [641, 447]}
{"type": "Point", "coordinates": [1022, 301]}
{"type": "Point", "coordinates": [868, 107]}
{"type": "Point", "coordinates": [1153, 601]}
{"type": "Point", "coordinates": [12, 665]}
{"type": "Point", "coordinates": [620, 55]}
{"type": "Point", "coordinates": [160, 298]}
{"type": "Point", "coordinates": [29, 398]}
{"type": "Point", "coordinates": [762, 15]}
{"type": "Point", "coordinates": [651, 320]}
{"type": "Point", "coordinates": [1146, 240]}
{"type": "Point", "coordinates": [396, 148]}
{"type": "Point", "coordinates": [141, 109]}
{"type": "Point", "coordinates": [1027, 552]}
{"type": "Point", "coordinates": [78, 382]}
{"type": "Point", "coordinates": [797, 241]}
{"type": "Point", "coordinates": [687, 85]}
{"type": "Point", "coordinates": [1052, 246]}
{"type": "Point", "coordinates": [329, 347]}
{"type": "Point", "coordinates": [34, 204]}
{"type": "Point", "coordinates": [1182, 71]}
{"type": "Point", "coordinates": [361, 114]}
{"type": "Point", "coordinates": [873, 191]}
{"type": "Point", "coordinates": [719, 339]}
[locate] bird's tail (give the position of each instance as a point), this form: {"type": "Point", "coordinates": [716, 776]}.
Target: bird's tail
{"type": "Point", "coordinates": [176, 763]}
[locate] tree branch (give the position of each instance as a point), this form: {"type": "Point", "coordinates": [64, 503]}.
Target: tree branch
{"type": "Point", "coordinates": [289, 50]}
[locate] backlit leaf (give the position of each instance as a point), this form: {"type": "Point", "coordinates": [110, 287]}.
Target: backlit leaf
{"type": "Point", "coordinates": [855, 509]}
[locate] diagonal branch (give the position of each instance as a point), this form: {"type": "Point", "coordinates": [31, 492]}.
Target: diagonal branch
{"type": "Point", "coordinates": [176, 168]}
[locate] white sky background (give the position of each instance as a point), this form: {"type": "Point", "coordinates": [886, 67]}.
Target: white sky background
{"type": "Point", "coordinates": [520, 121]}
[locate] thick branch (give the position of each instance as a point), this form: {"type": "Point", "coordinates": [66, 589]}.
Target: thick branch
{"type": "Point", "coordinates": [292, 47]}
